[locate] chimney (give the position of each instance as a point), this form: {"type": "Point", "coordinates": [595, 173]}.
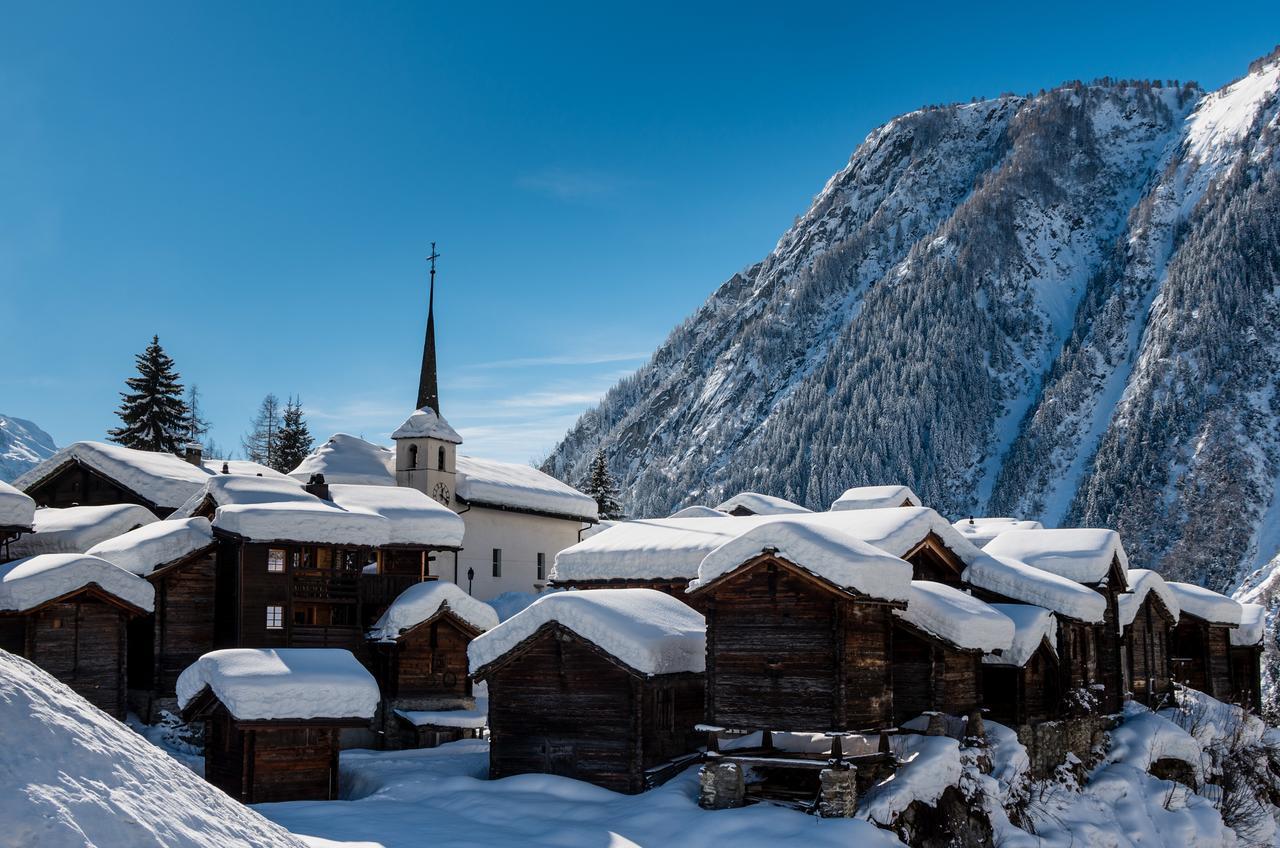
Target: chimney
{"type": "Point", "coordinates": [318, 487]}
{"type": "Point", "coordinates": [226, 469]}
{"type": "Point", "coordinates": [193, 453]}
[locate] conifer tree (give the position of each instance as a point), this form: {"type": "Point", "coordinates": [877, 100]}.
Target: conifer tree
{"type": "Point", "coordinates": [295, 440]}
{"type": "Point", "coordinates": [153, 413]}
{"type": "Point", "coordinates": [600, 486]}
{"type": "Point", "coordinates": [197, 424]}
{"type": "Point", "coordinates": [262, 443]}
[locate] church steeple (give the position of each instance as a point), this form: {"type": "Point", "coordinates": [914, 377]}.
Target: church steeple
{"type": "Point", "coordinates": [428, 393]}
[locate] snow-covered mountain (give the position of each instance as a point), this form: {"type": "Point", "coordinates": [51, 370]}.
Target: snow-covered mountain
{"type": "Point", "coordinates": [22, 445]}
{"type": "Point", "coordinates": [1061, 306]}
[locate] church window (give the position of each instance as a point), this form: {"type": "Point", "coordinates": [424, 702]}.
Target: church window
{"type": "Point", "coordinates": [497, 562]}
{"type": "Point", "coordinates": [440, 459]}
{"type": "Point", "coordinates": [542, 566]}
{"type": "Point", "coordinates": [413, 456]}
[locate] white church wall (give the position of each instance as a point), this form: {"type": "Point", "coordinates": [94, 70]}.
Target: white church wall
{"type": "Point", "coordinates": [520, 537]}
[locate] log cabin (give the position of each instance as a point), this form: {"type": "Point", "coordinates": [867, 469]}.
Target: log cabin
{"type": "Point", "coordinates": [1020, 685]}
{"type": "Point", "coordinates": [939, 642]}
{"type": "Point", "coordinates": [876, 497]}
{"type": "Point", "coordinates": [1079, 615]}
{"type": "Point", "coordinates": [17, 516]}
{"type": "Point", "coordinates": [68, 614]}
{"type": "Point", "coordinates": [76, 529]}
{"type": "Point", "coordinates": [418, 653]}
{"type": "Point", "coordinates": [1148, 614]}
{"type": "Point", "coordinates": [178, 558]}
{"type": "Point", "coordinates": [272, 719]}
{"type": "Point", "coordinates": [1092, 557]}
{"type": "Point", "coordinates": [1246, 657]}
{"type": "Point", "coordinates": [604, 686]}
{"type": "Point", "coordinates": [1200, 644]}
{"type": "Point", "coordinates": [99, 473]}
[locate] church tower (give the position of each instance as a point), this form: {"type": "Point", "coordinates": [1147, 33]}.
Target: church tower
{"type": "Point", "coordinates": [426, 446]}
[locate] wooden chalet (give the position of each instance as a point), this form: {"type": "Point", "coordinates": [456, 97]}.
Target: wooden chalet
{"type": "Point", "coordinates": [1094, 558]}
{"type": "Point", "coordinates": [68, 614]}
{"type": "Point", "coordinates": [178, 558]}
{"type": "Point", "coordinates": [1148, 615]}
{"type": "Point", "coordinates": [75, 529]}
{"type": "Point", "coordinates": [1079, 615]}
{"type": "Point", "coordinates": [981, 531]}
{"type": "Point", "coordinates": [604, 686]}
{"type": "Point", "coordinates": [1246, 657]}
{"type": "Point", "coordinates": [938, 645]}
{"type": "Point", "coordinates": [17, 516]}
{"type": "Point", "coordinates": [1200, 644]}
{"type": "Point", "coordinates": [272, 719]}
{"type": "Point", "coordinates": [1021, 685]}
{"type": "Point", "coordinates": [418, 653]}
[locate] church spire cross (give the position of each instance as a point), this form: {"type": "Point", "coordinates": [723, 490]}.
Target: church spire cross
{"type": "Point", "coordinates": [428, 392]}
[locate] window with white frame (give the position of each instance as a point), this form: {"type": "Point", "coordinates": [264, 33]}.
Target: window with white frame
{"type": "Point", "coordinates": [275, 617]}
{"type": "Point", "coordinates": [275, 560]}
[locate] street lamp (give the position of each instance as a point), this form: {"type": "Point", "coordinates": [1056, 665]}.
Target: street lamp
{"type": "Point", "coordinates": [471, 575]}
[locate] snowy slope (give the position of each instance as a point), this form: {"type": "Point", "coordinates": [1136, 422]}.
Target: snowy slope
{"type": "Point", "coordinates": [74, 777]}
{"type": "Point", "coordinates": [22, 445]}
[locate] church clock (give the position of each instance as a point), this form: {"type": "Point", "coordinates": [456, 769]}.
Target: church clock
{"type": "Point", "coordinates": [441, 493]}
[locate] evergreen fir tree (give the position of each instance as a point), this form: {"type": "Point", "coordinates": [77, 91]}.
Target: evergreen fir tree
{"type": "Point", "coordinates": [262, 443]}
{"type": "Point", "coordinates": [600, 486]}
{"type": "Point", "coordinates": [295, 439]}
{"type": "Point", "coordinates": [197, 425]}
{"type": "Point", "coordinates": [154, 414]}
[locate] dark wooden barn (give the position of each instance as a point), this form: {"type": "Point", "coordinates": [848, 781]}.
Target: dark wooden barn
{"type": "Point", "coordinates": [1148, 615]}
{"type": "Point", "coordinates": [1021, 685]}
{"type": "Point", "coordinates": [418, 653]}
{"type": "Point", "coordinates": [604, 686]}
{"type": "Point", "coordinates": [273, 719]}
{"type": "Point", "coordinates": [68, 614]}
{"type": "Point", "coordinates": [1246, 657]}
{"type": "Point", "coordinates": [1200, 644]}
{"type": "Point", "coordinates": [17, 515]}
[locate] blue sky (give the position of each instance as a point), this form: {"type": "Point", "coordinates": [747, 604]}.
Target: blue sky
{"type": "Point", "coordinates": [258, 182]}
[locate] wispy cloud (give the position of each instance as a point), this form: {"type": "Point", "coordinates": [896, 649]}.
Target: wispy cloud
{"type": "Point", "coordinates": [566, 184]}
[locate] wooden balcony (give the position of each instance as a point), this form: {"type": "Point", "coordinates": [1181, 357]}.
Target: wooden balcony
{"type": "Point", "coordinates": [349, 637]}
{"type": "Point", "coordinates": [379, 590]}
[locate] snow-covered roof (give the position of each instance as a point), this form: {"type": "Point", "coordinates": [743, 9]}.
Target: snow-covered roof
{"type": "Point", "coordinates": [1019, 581]}
{"type": "Point", "coordinates": [981, 531]}
{"type": "Point", "coordinates": [1031, 626]}
{"type": "Point", "coordinates": [317, 521]}
{"type": "Point", "coordinates": [76, 529]}
{"type": "Point", "coordinates": [832, 555]}
{"type": "Point", "coordinates": [27, 583]}
{"type": "Point", "coordinates": [349, 459]}
{"type": "Point", "coordinates": [1253, 626]}
{"type": "Point", "coordinates": [488, 482]}
{"type": "Point", "coordinates": [1143, 581]}
{"type": "Point", "coordinates": [1205, 603]}
{"type": "Point", "coordinates": [242, 467]}
{"type": "Point", "coordinates": [651, 632]}
{"type": "Point", "coordinates": [17, 509]}
{"type": "Point", "coordinates": [1080, 554]}
{"type": "Point", "coordinates": [876, 497]}
{"type": "Point", "coordinates": [153, 546]}
{"type": "Point", "coordinates": [697, 511]}
{"type": "Point", "coordinates": [225, 490]}
{"type": "Point", "coordinates": [261, 684]}
{"type": "Point", "coordinates": [413, 517]}
{"type": "Point", "coordinates": [758, 504]}
{"type": "Point", "coordinates": [426, 423]}
{"type": "Point", "coordinates": [423, 600]}
{"type": "Point", "coordinates": [955, 617]}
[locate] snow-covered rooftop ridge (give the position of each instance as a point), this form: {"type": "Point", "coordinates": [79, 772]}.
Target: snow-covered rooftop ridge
{"type": "Point", "coordinates": [152, 546]}
{"type": "Point", "coordinates": [1205, 603]}
{"type": "Point", "coordinates": [648, 631]}
{"type": "Point", "coordinates": [426, 423]}
{"type": "Point", "coordinates": [423, 600]}
{"type": "Point", "coordinates": [697, 511]}
{"type": "Point", "coordinates": [1080, 554]}
{"type": "Point", "coordinates": [261, 684]}
{"type": "Point", "coordinates": [344, 458]}
{"type": "Point", "coordinates": [957, 618]}
{"type": "Point", "coordinates": [673, 548]}
{"type": "Point", "coordinates": [317, 521]}
{"type": "Point", "coordinates": [1253, 626]}
{"type": "Point", "coordinates": [239, 467]}
{"type": "Point", "coordinates": [981, 531]}
{"type": "Point", "coordinates": [832, 555]}
{"type": "Point", "coordinates": [758, 504]}
{"type": "Point", "coordinates": [522, 487]}
{"type": "Point", "coordinates": [1032, 625]}
{"type": "Point", "coordinates": [28, 583]}
{"type": "Point", "coordinates": [76, 529]}
{"type": "Point", "coordinates": [1020, 582]}
{"type": "Point", "coordinates": [1143, 581]}
{"type": "Point", "coordinates": [17, 509]}
{"type": "Point", "coordinates": [876, 497]}
{"type": "Point", "coordinates": [225, 490]}
{"type": "Point", "coordinates": [413, 517]}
